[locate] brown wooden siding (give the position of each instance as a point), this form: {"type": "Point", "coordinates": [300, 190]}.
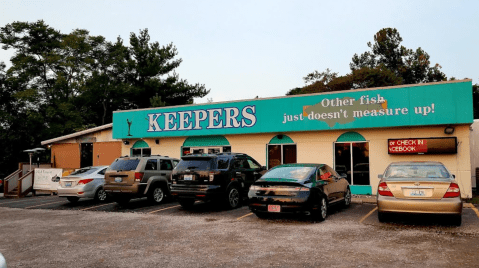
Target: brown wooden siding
{"type": "Point", "coordinates": [66, 155]}
{"type": "Point", "coordinates": [104, 153]}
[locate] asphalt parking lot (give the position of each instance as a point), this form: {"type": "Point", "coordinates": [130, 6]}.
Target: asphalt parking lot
{"type": "Point", "coordinates": [46, 231]}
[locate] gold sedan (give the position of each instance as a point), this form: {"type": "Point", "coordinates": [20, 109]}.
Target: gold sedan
{"type": "Point", "coordinates": [419, 187]}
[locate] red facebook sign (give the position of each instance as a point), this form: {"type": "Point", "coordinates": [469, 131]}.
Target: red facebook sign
{"type": "Point", "coordinates": [408, 146]}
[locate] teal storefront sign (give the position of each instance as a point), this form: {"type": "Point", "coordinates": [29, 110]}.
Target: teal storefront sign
{"type": "Point", "coordinates": [426, 104]}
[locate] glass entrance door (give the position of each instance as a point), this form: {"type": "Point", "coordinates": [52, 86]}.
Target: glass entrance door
{"type": "Point", "coordinates": [352, 159]}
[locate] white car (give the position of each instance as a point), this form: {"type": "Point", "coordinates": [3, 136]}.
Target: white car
{"type": "Point", "coordinates": [84, 183]}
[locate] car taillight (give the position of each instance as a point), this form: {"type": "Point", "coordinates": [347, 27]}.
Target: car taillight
{"type": "Point", "coordinates": [384, 190]}
{"type": "Point", "coordinates": [453, 191]}
{"type": "Point", "coordinates": [85, 181]}
{"type": "Point", "coordinates": [139, 176]}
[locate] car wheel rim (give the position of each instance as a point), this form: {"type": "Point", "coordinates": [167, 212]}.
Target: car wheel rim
{"type": "Point", "coordinates": [234, 197]}
{"type": "Point", "coordinates": [101, 195]}
{"type": "Point", "coordinates": [158, 195]}
{"type": "Point", "coordinates": [323, 208]}
{"type": "Point", "coordinates": [348, 197]}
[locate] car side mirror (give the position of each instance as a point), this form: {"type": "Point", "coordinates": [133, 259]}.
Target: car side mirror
{"type": "Point", "coordinates": [263, 168]}
{"type": "Point", "coordinates": [454, 176]}
{"type": "Point", "coordinates": [380, 176]}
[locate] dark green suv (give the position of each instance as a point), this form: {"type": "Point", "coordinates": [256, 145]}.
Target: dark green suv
{"type": "Point", "coordinates": [223, 177]}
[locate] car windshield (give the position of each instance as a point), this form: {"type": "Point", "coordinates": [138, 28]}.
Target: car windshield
{"type": "Point", "coordinates": [125, 164]}
{"type": "Point", "coordinates": [429, 172]}
{"type": "Point", "coordinates": [84, 171]}
{"type": "Point", "coordinates": [195, 164]}
{"type": "Point", "coordinates": [289, 173]}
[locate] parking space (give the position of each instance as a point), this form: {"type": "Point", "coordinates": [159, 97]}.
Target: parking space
{"type": "Point", "coordinates": [89, 234]}
{"type": "Point", "coordinates": [363, 213]}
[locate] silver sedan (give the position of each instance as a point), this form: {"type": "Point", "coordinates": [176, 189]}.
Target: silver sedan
{"type": "Point", "coordinates": [84, 183]}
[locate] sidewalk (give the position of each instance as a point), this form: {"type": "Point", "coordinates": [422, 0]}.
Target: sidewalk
{"type": "Point", "coordinates": [360, 199]}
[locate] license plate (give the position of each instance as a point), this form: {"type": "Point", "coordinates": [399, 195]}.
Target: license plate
{"type": "Point", "coordinates": [188, 177]}
{"type": "Point", "coordinates": [274, 208]}
{"type": "Point", "coordinates": [118, 179]}
{"type": "Point", "coordinates": [68, 184]}
{"type": "Point", "coordinates": [417, 193]}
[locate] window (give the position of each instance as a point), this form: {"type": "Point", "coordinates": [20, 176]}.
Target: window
{"type": "Point", "coordinates": [140, 152]}
{"type": "Point", "coordinates": [240, 163]}
{"type": "Point", "coordinates": [102, 172]}
{"type": "Point", "coordinates": [151, 164]}
{"type": "Point", "coordinates": [125, 164]}
{"type": "Point", "coordinates": [253, 164]}
{"type": "Point", "coordinates": [279, 154]}
{"type": "Point", "coordinates": [175, 163]}
{"type": "Point", "coordinates": [223, 163]}
{"type": "Point", "coordinates": [166, 165]}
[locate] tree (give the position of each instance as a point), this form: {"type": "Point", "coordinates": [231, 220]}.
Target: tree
{"type": "Point", "coordinates": [387, 64]}
{"type": "Point", "coordinates": [153, 73]}
{"type": "Point", "coordinates": [386, 51]}
{"type": "Point", "coordinates": [61, 83]}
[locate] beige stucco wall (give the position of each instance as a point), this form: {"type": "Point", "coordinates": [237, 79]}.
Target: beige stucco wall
{"type": "Point", "coordinates": [318, 147]}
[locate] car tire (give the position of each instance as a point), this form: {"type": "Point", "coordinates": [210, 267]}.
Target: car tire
{"type": "Point", "coordinates": [383, 217]}
{"type": "Point", "coordinates": [233, 197]}
{"type": "Point", "coordinates": [456, 220]}
{"type": "Point", "coordinates": [187, 203]}
{"type": "Point", "coordinates": [73, 199]}
{"type": "Point", "coordinates": [101, 195]}
{"type": "Point", "coordinates": [122, 200]}
{"type": "Point", "coordinates": [157, 194]}
{"type": "Point", "coordinates": [322, 212]}
{"type": "Point", "coordinates": [347, 198]}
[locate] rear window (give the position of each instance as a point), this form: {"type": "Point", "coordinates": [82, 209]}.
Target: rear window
{"type": "Point", "coordinates": [196, 164]}
{"type": "Point", "coordinates": [125, 164]}
{"type": "Point", "coordinates": [417, 171]}
{"type": "Point", "coordinates": [289, 173]}
{"type": "Point", "coordinates": [84, 171]}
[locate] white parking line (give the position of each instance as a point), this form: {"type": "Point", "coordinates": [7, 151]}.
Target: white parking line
{"type": "Point", "coordinates": [367, 215]}
{"type": "Point", "coordinates": [97, 206]}
{"type": "Point", "coordinates": [164, 209]}
{"type": "Point", "coordinates": [45, 204]}
{"type": "Point", "coordinates": [244, 216]}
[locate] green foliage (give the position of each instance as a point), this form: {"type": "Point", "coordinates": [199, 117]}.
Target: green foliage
{"type": "Point", "coordinates": [387, 64]}
{"type": "Point", "coordinates": [61, 83]}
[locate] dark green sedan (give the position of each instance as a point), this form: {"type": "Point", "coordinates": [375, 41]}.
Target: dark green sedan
{"type": "Point", "coordinates": [299, 188]}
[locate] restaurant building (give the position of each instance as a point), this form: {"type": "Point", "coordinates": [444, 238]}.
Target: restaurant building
{"type": "Point", "coordinates": [358, 132]}
{"type": "Point", "coordinates": [91, 147]}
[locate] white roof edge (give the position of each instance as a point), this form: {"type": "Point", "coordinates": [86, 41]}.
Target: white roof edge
{"type": "Point", "coordinates": [79, 133]}
{"type": "Point", "coordinates": [303, 95]}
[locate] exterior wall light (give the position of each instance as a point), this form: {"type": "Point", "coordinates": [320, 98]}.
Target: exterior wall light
{"type": "Point", "coordinates": [157, 141]}
{"type": "Point", "coordinates": [126, 142]}
{"type": "Point", "coordinates": [449, 130]}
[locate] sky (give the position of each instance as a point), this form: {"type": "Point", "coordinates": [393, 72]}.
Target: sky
{"type": "Point", "coordinates": [243, 49]}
